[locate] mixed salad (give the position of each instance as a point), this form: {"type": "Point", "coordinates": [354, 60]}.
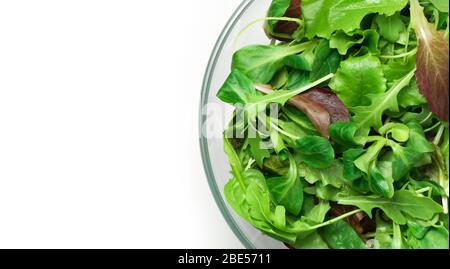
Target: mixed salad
{"type": "Point", "coordinates": [340, 135]}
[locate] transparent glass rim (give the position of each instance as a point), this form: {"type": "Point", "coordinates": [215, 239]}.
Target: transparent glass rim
{"type": "Point", "coordinates": [203, 141]}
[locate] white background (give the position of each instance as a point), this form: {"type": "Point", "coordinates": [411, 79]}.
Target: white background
{"type": "Point", "coordinates": [98, 124]}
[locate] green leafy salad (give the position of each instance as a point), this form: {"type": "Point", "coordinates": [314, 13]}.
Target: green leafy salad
{"type": "Point", "coordinates": [339, 137]}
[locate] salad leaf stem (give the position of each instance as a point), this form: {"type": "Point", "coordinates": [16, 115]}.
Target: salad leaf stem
{"type": "Point", "coordinates": [284, 132]}
{"type": "Point", "coordinates": [420, 191]}
{"type": "Point", "coordinates": [331, 221]}
{"type": "Point", "coordinates": [402, 55]}
{"type": "Point", "coordinates": [282, 96]}
{"type": "Point", "coordinates": [250, 24]}
{"type": "Point", "coordinates": [432, 127]}
{"type": "Point", "coordinates": [439, 134]}
{"type": "Point", "coordinates": [429, 116]}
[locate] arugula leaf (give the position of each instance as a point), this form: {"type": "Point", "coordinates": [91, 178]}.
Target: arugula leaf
{"type": "Point", "coordinates": [259, 153]}
{"type": "Point", "coordinates": [395, 70]}
{"type": "Point", "coordinates": [371, 115]}
{"type": "Point", "coordinates": [357, 80]}
{"type": "Point", "coordinates": [258, 202]}
{"type": "Point", "coordinates": [398, 208]}
{"type": "Point", "coordinates": [323, 17]}
{"type": "Point", "coordinates": [315, 151]}
{"type": "Point", "coordinates": [261, 62]}
{"type": "Point", "coordinates": [332, 175]}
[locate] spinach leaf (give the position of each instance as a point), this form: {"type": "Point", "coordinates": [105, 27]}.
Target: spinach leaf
{"type": "Point", "coordinates": [340, 235]}
{"type": "Point", "coordinates": [417, 230]}
{"type": "Point", "coordinates": [326, 60]}
{"type": "Point", "coordinates": [297, 79]}
{"type": "Point", "coordinates": [351, 172]}
{"type": "Point", "coordinates": [299, 62]}
{"type": "Point", "coordinates": [312, 241]}
{"type": "Point", "coordinates": [315, 151]}
{"type": "Point", "coordinates": [274, 165]}
{"type": "Point", "coordinates": [390, 27]}
{"type": "Point", "coordinates": [280, 79]}
{"type": "Point", "coordinates": [381, 180]}
{"type": "Point", "coordinates": [237, 89]}
{"type": "Point", "coordinates": [344, 41]}
{"type": "Point", "coordinates": [344, 133]}
{"type": "Point", "coordinates": [261, 62]}
{"type": "Point", "coordinates": [287, 190]}
{"type": "Point", "coordinates": [317, 213]}
{"type": "Point", "coordinates": [413, 155]}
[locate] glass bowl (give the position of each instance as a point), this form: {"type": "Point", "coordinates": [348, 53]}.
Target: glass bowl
{"type": "Point", "coordinates": [214, 115]}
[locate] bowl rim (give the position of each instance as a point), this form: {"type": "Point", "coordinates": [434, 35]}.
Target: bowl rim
{"type": "Point", "coordinates": [237, 14]}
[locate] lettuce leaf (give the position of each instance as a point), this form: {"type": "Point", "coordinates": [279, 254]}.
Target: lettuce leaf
{"type": "Point", "coordinates": [357, 79]}
{"type": "Point", "coordinates": [432, 62]}
{"type": "Point", "coordinates": [371, 115]}
{"type": "Point", "coordinates": [323, 17]}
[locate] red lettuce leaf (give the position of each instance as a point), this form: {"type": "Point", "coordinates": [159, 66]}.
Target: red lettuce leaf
{"type": "Point", "coordinates": [288, 27]}
{"type": "Point", "coordinates": [321, 105]}
{"type": "Point", "coordinates": [432, 62]}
